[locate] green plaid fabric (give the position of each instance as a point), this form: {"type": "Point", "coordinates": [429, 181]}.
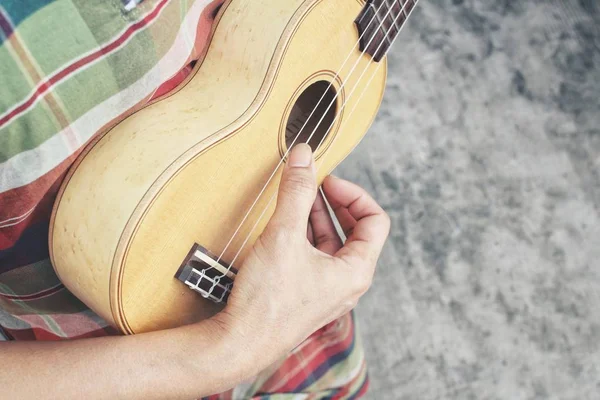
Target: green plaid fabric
{"type": "Point", "coordinates": [68, 68]}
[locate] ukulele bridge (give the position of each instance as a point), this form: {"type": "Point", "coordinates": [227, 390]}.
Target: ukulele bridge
{"type": "Point", "coordinates": [206, 274]}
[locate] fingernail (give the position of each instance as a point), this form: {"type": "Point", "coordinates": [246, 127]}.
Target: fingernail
{"type": "Point", "coordinates": [301, 156]}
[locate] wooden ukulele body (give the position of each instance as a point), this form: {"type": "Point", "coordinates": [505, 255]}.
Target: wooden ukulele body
{"type": "Point", "coordinates": [187, 168]}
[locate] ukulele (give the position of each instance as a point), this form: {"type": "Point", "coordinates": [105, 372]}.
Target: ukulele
{"type": "Point", "coordinates": [157, 213]}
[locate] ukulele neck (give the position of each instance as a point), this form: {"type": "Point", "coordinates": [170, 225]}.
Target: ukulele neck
{"type": "Point", "coordinates": [380, 22]}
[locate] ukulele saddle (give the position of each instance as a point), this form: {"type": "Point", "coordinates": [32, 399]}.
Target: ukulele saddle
{"type": "Point", "coordinates": [206, 274]}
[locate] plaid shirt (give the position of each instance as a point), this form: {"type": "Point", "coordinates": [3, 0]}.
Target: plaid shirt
{"type": "Point", "coordinates": [67, 69]}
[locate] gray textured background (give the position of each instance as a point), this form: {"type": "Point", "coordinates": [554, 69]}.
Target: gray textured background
{"type": "Point", "coordinates": [486, 154]}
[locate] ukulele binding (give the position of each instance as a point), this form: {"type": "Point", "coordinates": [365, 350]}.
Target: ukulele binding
{"type": "Point", "coordinates": [206, 274]}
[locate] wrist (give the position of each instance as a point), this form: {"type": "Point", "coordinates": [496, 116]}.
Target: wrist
{"type": "Point", "coordinates": [259, 330]}
{"type": "Point", "coordinates": [248, 335]}
{"type": "Point", "coordinates": [231, 350]}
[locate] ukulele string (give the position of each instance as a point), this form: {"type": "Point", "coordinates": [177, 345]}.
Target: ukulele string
{"type": "Point", "coordinates": [235, 233]}
{"type": "Point", "coordinates": [216, 280]}
{"type": "Point", "coordinates": [332, 124]}
{"type": "Point", "coordinates": [322, 160]}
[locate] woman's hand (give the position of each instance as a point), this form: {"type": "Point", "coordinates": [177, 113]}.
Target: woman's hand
{"type": "Point", "coordinates": [299, 276]}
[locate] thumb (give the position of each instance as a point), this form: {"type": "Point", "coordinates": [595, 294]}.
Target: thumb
{"type": "Point", "coordinates": [297, 190]}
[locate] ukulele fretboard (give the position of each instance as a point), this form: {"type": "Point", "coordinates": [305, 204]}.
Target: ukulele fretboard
{"type": "Point", "coordinates": [379, 23]}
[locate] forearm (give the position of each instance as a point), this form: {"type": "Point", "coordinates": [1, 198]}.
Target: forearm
{"type": "Point", "coordinates": [183, 363]}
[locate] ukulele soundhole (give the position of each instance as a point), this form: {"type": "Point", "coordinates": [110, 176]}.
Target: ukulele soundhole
{"type": "Point", "coordinates": [312, 116]}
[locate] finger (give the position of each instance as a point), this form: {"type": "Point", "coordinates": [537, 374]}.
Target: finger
{"type": "Point", "coordinates": [297, 191]}
{"type": "Point", "coordinates": [336, 194]}
{"type": "Point", "coordinates": [347, 221]}
{"type": "Point", "coordinates": [325, 236]}
{"type": "Point", "coordinates": [309, 233]}
{"type": "Point", "coordinates": [371, 229]}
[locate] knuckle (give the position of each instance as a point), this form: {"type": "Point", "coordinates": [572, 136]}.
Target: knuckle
{"type": "Point", "coordinates": [275, 236]}
{"type": "Point", "coordinates": [387, 221]}
{"type": "Point", "coordinates": [349, 305]}
{"type": "Point", "coordinates": [362, 283]}
{"type": "Point", "coordinates": [298, 184]}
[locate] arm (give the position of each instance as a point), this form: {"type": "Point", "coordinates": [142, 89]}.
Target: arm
{"type": "Point", "coordinates": [287, 288]}
{"type": "Point", "coordinates": [174, 364]}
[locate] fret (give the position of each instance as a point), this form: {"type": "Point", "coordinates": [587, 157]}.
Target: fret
{"type": "Point", "coordinates": [373, 9]}
{"type": "Point", "coordinates": [385, 31]}
{"type": "Point", "coordinates": [380, 22]}
{"type": "Point", "coordinates": [390, 5]}
{"type": "Point", "coordinates": [404, 13]}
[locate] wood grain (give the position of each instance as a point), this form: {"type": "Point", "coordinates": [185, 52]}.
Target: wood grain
{"type": "Point", "coordinates": [187, 168]}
